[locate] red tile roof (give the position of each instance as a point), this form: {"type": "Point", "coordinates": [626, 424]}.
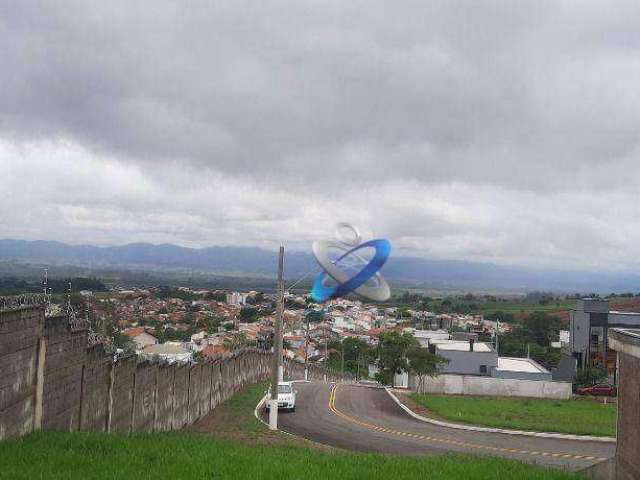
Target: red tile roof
{"type": "Point", "coordinates": [213, 350]}
{"type": "Point", "coordinates": [134, 332]}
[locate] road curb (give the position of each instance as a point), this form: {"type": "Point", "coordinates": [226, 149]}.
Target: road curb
{"type": "Point", "coordinates": [259, 406]}
{"type": "Point", "coordinates": [457, 426]}
{"type": "Point", "coordinates": [256, 411]}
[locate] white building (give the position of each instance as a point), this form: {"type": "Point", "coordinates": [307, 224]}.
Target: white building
{"type": "Point", "coordinates": [169, 351]}
{"type": "Point", "coordinates": [236, 298]}
{"type": "Point", "coordinates": [140, 337]}
{"type": "Point", "coordinates": [426, 337]}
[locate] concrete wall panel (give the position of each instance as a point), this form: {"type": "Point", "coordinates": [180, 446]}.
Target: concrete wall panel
{"type": "Point", "coordinates": [121, 395]}
{"type": "Point", "coordinates": [145, 397]}
{"type": "Point", "coordinates": [471, 385]}
{"type": "Point", "coordinates": [165, 398]}
{"type": "Point", "coordinates": [96, 379]}
{"type": "Point", "coordinates": [65, 357]}
{"type": "Point", "coordinates": [628, 451]}
{"type": "Point", "coordinates": [181, 397]}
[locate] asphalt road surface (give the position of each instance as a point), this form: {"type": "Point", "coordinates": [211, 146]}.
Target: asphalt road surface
{"type": "Point", "coordinates": [366, 419]}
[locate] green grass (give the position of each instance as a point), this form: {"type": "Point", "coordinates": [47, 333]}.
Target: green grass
{"type": "Point", "coordinates": [218, 455]}
{"type": "Point", "coordinates": [526, 307]}
{"type": "Point", "coordinates": [580, 416]}
{"type": "Point", "coordinates": [241, 407]}
{"type": "Point", "coordinates": [69, 456]}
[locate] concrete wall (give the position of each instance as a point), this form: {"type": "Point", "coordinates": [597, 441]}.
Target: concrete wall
{"type": "Point", "coordinates": [19, 342]}
{"type": "Point", "coordinates": [181, 397]}
{"type": "Point", "coordinates": [165, 403]}
{"type": "Point", "coordinates": [50, 379]}
{"type": "Point", "coordinates": [144, 400]}
{"type": "Point", "coordinates": [96, 379]}
{"type": "Point", "coordinates": [64, 361]}
{"type": "Point", "coordinates": [628, 446]}
{"type": "Point", "coordinates": [121, 394]}
{"type": "Point", "coordinates": [472, 385]}
{"type": "Point", "coordinates": [509, 374]}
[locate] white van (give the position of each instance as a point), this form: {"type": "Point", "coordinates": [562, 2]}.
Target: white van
{"type": "Point", "coordinates": [286, 396]}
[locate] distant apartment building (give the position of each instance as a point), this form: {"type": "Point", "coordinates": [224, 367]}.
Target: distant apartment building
{"type": "Point", "coordinates": [236, 298]}
{"type": "Point", "coordinates": [590, 323]}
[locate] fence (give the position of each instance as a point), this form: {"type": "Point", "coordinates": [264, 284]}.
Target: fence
{"type": "Point", "coordinates": [51, 379]}
{"type": "Point", "coordinates": [475, 385]}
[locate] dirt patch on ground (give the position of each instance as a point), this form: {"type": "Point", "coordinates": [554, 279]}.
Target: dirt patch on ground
{"type": "Point", "coordinates": [224, 423]}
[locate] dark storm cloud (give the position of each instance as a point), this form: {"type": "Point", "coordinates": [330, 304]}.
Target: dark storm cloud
{"type": "Point", "coordinates": [485, 92]}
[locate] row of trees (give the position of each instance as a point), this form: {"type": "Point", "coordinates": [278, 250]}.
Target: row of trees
{"type": "Point", "coordinates": [399, 353]}
{"type": "Point", "coordinates": [532, 337]}
{"type": "Point", "coordinates": [395, 353]}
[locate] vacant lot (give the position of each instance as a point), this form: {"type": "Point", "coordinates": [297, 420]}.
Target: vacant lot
{"type": "Point", "coordinates": [580, 416]}
{"type": "Point", "coordinates": [525, 307]}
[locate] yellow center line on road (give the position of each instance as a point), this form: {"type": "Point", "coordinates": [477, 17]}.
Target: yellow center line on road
{"type": "Point", "coordinates": [378, 428]}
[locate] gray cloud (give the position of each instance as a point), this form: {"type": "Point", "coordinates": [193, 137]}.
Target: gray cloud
{"type": "Point", "coordinates": [494, 131]}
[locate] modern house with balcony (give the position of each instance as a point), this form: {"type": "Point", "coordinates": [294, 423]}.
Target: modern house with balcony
{"type": "Point", "coordinates": [590, 323]}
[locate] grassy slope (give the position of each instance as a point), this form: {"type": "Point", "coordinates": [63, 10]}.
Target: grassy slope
{"type": "Point", "coordinates": [584, 416]}
{"type": "Point", "coordinates": [235, 445]}
{"type": "Point", "coordinates": [173, 456]}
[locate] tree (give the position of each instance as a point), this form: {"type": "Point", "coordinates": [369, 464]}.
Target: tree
{"type": "Point", "coordinates": [533, 337]}
{"type": "Point", "coordinates": [235, 341]}
{"type": "Point", "coordinates": [217, 296]}
{"type": "Point", "coordinates": [392, 355]}
{"type": "Point", "coordinates": [248, 314]}
{"type": "Point", "coordinates": [423, 363]}
{"type": "Point", "coordinates": [198, 356]}
{"type": "Point", "coordinates": [357, 355]}
{"type": "Point", "coordinates": [120, 340]}
{"type": "Point", "coordinates": [541, 328]}
{"type": "Point", "coordinates": [589, 375]}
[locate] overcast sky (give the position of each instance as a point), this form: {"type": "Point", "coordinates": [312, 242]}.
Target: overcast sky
{"type": "Point", "coordinates": [494, 131]}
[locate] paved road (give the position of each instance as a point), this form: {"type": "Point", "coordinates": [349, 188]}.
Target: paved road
{"type": "Point", "coordinates": [360, 418]}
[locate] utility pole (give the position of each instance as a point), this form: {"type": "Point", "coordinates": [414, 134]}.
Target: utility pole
{"type": "Point", "coordinates": [326, 353]}
{"type": "Point", "coordinates": [342, 369]}
{"type": "Point", "coordinates": [306, 351]}
{"type": "Point", "coordinates": [497, 333]}
{"type": "Point", "coordinates": [276, 374]}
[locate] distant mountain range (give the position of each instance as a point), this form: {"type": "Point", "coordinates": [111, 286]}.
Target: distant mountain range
{"type": "Point", "coordinates": [251, 261]}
